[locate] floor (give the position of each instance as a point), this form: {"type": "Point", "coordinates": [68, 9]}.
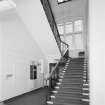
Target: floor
{"type": "Point", "coordinates": [37, 97]}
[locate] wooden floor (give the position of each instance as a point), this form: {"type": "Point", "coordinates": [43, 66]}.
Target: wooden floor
{"type": "Point", "coordinates": [37, 97]}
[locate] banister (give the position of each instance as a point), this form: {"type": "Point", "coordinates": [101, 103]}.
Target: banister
{"type": "Point", "coordinates": [64, 43]}
{"type": "Point", "coordinates": [56, 66]}
{"type": "Point", "coordinates": [51, 19]}
{"type": "Point", "coordinates": [52, 22]}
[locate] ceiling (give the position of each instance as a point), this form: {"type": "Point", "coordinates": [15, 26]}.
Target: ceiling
{"type": "Point", "coordinates": [68, 10]}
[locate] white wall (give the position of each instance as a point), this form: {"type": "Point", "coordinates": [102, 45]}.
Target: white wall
{"type": "Point", "coordinates": [0, 62]}
{"type": "Point", "coordinates": [25, 36]}
{"type": "Point", "coordinates": [97, 51]}
{"type": "Point", "coordinates": [17, 51]}
{"type": "Point", "coordinates": [33, 15]}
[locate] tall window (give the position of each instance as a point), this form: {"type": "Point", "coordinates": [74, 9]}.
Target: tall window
{"type": "Point", "coordinates": [60, 29]}
{"type": "Point", "coordinates": [72, 34]}
{"type": "Point", "coordinates": [78, 26]}
{"type": "Point", "coordinates": [68, 28]}
{"type": "Point", "coordinates": [78, 34]}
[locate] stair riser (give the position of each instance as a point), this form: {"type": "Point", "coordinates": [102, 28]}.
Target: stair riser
{"type": "Point", "coordinates": [71, 90]}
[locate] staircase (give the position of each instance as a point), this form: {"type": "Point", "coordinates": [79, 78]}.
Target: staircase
{"type": "Point", "coordinates": [72, 87]}
{"type": "Point", "coordinates": [70, 84]}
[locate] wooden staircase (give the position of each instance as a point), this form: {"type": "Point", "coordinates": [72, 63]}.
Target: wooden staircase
{"type": "Point", "coordinates": [72, 87]}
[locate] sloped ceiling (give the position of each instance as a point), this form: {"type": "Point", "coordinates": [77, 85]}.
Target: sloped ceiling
{"type": "Point", "coordinates": [71, 9]}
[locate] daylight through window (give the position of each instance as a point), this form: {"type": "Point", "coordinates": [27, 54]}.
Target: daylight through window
{"type": "Point", "coordinates": [62, 1]}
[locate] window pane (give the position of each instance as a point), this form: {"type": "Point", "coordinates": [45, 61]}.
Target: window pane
{"type": "Point", "coordinates": [78, 26]}
{"type": "Point", "coordinates": [78, 41]}
{"type": "Point", "coordinates": [69, 41]}
{"type": "Point", "coordinates": [69, 28]}
{"type": "Point", "coordinates": [60, 29]}
{"type": "Point", "coordinates": [62, 38]}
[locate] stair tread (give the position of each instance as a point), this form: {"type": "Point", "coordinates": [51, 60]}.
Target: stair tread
{"type": "Point", "coordinates": [72, 82]}
{"type": "Point", "coordinates": [72, 96]}
{"type": "Point", "coordinates": [67, 102]}
{"type": "Point", "coordinates": [71, 90]}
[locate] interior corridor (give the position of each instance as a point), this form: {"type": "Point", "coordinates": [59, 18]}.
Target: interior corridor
{"type": "Point", "coordinates": [36, 97]}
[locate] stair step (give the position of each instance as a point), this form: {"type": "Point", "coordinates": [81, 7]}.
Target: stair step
{"type": "Point", "coordinates": [66, 104]}
{"type": "Point", "coordinates": [71, 90]}
{"type": "Point", "coordinates": [60, 101]}
{"type": "Point", "coordinates": [69, 101]}
{"type": "Point", "coordinates": [72, 86]}
{"type": "Point", "coordinates": [74, 73]}
{"type": "Point", "coordinates": [85, 91]}
{"type": "Point", "coordinates": [76, 78]}
{"type": "Point", "coordinates": [69, 76]}
{"type": "Point", "coordinates": [54, 92]}
{"type": "Point", "coordinates": [76, 66]}
{"type": "Point", "coordinates": [76, 62]}
{"type": "Point", "coordinates": [72, 96]}
{"type": "Point", "coordinates": [52, 96]}
{"type": "Point", "coordinates": [75, 70]}
{"type": "Point", "coordinates": [49, 102]}
{"type": "Point", "coordinates": [67, 97]}
{"type": "Point", "coordinates": [72, 82]}
{"type": "Point", "coordinates": [78, 95]}
{"type": "Point", "coordinates": [85, 86]}
{"type": "Point", "coordinates": [85, 97]}
{"type": "Point", "coordinates": [85, 100]}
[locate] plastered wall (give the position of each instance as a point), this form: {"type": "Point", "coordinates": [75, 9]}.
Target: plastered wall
{"type": "Point", "coordinates": [25, 36]}
{"type": "Point", "coordinates": [97, 51]}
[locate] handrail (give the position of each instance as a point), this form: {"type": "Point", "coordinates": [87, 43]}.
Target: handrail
{"type": "Point", "coordinates": [52, 22]}
{"type": "Point", "coordinates": [65, 48]}
{"type": "Point", "coordinates": [64, 43]}
{"type": "Point", "coordinates": [55, 68]}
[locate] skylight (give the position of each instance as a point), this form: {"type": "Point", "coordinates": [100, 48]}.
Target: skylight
{"type": "Point", "coordinates": [62, 1]}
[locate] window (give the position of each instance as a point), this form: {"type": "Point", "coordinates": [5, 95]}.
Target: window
{"type": "Point", "coordinates": [60, 29]}
{"type": "Point", "coordinates": [78, 26]}
{"type": "Point", "coordinates": [72, 33]}
{"type": "Point", "coordinates": [69, 41]}
{"type": "Point", "coordinates": [78, 40]}
{"type": "Point", "coordinates": [68, 28]}
{"type": "Point", "coordinates": [62, 1]}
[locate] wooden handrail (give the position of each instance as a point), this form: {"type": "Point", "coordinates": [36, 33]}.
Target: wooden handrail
{"type": "Point", "coordinates": [52, 22]}
{"type": "Point", "coordinates": [64, 43]}
{"type": "Point", "coordinates": [56, 66]}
